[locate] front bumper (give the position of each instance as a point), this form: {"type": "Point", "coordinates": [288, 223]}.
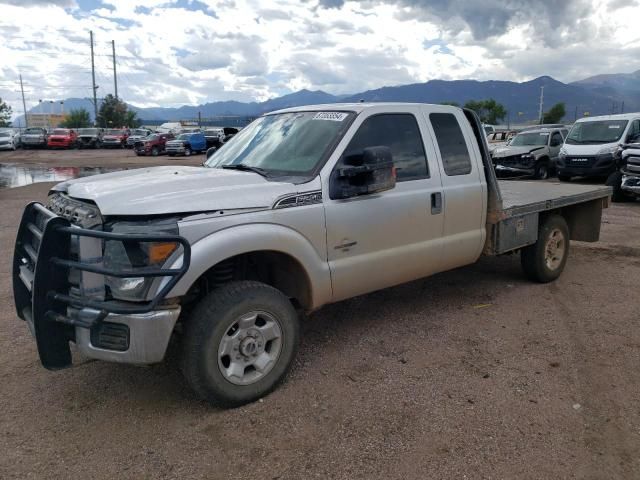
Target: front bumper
{"type": "Point", "coordinates": [6, 146]}
{"type": "Point", "coordinates": [586, 166]}
{"type": "Point", "coordinates": [57, 312]}
{"type": "Point", "coordinates": [509, 169]}
{"type": "Point", "coordinates": [631, 184]}
{"type": "Point", "coordinates": [112, 143]}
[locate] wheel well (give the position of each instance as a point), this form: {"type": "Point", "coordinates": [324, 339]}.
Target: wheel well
{"type": "Point", "coordinates": [277, 269]}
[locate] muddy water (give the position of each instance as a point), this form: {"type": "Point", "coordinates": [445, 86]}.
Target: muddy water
{"type": "Point", "coordinates": [13, 175]}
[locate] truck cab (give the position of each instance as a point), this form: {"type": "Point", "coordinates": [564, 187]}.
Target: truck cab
{"type": "Point", "coordinates": [303, 207]}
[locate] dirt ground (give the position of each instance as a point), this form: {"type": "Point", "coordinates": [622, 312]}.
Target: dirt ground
{"type": "Point", "coordinates": [474, 373]}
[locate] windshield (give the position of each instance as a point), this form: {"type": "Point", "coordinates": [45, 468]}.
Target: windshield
{"type": "Point", "coordinates": [530, 139]}
{"type": "Point", "coordinates": [184, 136]}
{"type": "Point", "coordinates": [151, 137]}
{"type": "Point", "coordinates": [596, 132]}
{"type": "Point", "coordinates": [113, 131]}
{"type": "Point", "coordinates": [60, 131]}
{"type": "Point", "coordinates": [5, 134]}
{"type": "Point", "coordinates": [33, 131]}
{"type": "Point", "coordinates": [212, 132]}
{"type": "Point", "coordinates": [88, 131]}
{"type": "Point", "coordinates": [286, 143]}
{"type": "Point", "coordinates": [139, 133]}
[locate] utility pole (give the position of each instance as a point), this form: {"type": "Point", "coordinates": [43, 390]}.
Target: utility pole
{"type": "Point", "coordinates": [24, 105]}
{"type": "Point", "coordinates": [541, 103]}
{"type": "Point", "coordinates": [93, 79]}
{"type": "Point", "coordinates": [115, 76]}
{"type": "Point", "coordinates": [622, 108]}
{"type": "Point", "coordinates": [575, 116]}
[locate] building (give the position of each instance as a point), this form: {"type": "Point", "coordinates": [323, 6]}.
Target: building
{"type": "Point", "coordinates": [45, 120]}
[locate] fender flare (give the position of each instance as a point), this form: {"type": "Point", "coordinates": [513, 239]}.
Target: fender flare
{"type": "Point", "coordinates": [223, 244]}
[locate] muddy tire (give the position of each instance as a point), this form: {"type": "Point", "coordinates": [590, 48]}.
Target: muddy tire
{"type": "Point", "coordinates": [615, 181]}
{"type": "Point", "coordinates": [545, 260]}
{"type": "Point", "coordinates": [239, 343]}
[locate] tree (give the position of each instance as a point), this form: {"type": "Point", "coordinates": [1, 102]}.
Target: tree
{"type": "Point", "coordinates": [555, 114]}
{"type": "Point", "coordinates": [5, 114]}
{"type": "Point", "coordinates": [114, 113]}
{"type": "Point", "coordinates": [489, 111]}
{"type": "Point", "coordinates": [77, 119]}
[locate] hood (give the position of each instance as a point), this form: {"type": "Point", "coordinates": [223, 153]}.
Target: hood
{"type": "Point", "coordinates": [509, 150]}
{"type": "Point", "coordinates": [574, 150]}
{"type": "Point", "coordinates": [166, 190]}
{"type": "Point", "coordinates": [113, 137]}
{"type": "Point", "coordinates": [59, 137]}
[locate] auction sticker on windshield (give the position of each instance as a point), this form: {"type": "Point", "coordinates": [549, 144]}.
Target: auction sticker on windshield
{"type": "Point", "coordinates": [332, 116]}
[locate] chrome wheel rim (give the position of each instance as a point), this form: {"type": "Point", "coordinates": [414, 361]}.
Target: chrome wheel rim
{"type": "Point", "coordinates": [555, 249]}
{"type": "Point", "coordinates": [250, 347]}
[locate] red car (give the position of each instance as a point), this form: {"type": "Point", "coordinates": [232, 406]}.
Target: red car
{"type": "Point", "coordinates": [62, 138]}
{"type": "Point", "coordinates": [115, 137]}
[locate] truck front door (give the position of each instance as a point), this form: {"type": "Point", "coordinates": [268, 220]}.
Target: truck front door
{"type": "Point", "coordinates": [383, 239]}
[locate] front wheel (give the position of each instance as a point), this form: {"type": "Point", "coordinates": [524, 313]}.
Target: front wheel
{"type": "Point", "coordinates": [155, 152]}
{"type": "Point", "coordinates": [239, 343]}
{"type": "Point", "coordinates": [544, 261]}
{"type": "Point", "coordinates": [542, 171]}
{"type": "Point", "coordinates": [187, 152]}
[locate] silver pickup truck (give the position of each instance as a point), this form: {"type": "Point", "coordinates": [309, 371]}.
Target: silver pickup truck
{"type": "Point", "coordinates": [304, 207]}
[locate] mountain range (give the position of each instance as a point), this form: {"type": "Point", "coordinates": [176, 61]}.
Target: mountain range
{"type": "Point", "coordinates": [598, 95]}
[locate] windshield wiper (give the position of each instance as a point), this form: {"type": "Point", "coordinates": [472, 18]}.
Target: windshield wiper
{"type": "Point", "coordinates": [246, 168]}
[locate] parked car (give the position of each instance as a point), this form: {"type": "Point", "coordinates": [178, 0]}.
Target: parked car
{"type": "Point", "coordinates": [214, 136]}
{"type": "Point", "coordinates": [589, 148]}
{"type": "Point", "coordinates": [223, 258]}
{"type": "Point", "coordinates": [9, 139]}
{"type": "Point", "coordinates": [229, 133]}
{"type": "Point", "coordinates": [625, 180]}
{"type": "Point", "coordinates": [186, 144]}
{"type": "Point", "coordinates": [153, 145]}
{"type": "Point", "coordinates": [34, 137]}
{"type": "Point", "coordinates": [62, 138]}
{"type": "Point", "coordinates": [90, 137]}
{"type": "Point", "coordinates": [137, 134]}
{"type": "Point", "coordinates": [115, 138]}
{"type": "Point", "coordinates": [533, 152]}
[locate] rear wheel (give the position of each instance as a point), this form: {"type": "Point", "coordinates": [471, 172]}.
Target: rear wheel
{"type": "Point", "coordinates": [615, 181]}
{"type": "Point", "coordinates": [239, 343]}
{"type": "Point", "coordinates": [564, 178]}
{"type": "Point", "coordinates": [544, 261]}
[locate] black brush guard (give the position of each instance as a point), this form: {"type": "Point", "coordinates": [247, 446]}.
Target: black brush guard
{"type": "Point", "coordinates": [41, 285]}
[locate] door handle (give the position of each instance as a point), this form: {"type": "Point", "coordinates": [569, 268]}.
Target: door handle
{"type": "Point", "coordinates": [436, 203]}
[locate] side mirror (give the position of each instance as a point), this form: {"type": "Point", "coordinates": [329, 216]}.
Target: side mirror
{"type": "Point", "coordinates": [368, 172]}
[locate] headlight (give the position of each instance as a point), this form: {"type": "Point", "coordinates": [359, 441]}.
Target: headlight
{"type": "Point", "coordinates": [133, 255]}
{"type": "Point", "coordinates": [527, 156]}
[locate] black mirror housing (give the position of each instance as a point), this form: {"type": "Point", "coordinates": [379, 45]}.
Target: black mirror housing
{"type": "Point", "coordinates": [371, 171]}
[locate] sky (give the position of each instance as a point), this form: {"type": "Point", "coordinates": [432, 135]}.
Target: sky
{"type": "Point", "coordinates": [176, 52]}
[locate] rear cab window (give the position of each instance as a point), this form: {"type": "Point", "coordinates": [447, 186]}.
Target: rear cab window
{"type": "Point", "coordinates": [454, 152]}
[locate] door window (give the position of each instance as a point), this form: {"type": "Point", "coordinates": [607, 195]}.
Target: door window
{"type": "Point", "coordinates": [453, 147]}
{"type": "Point", "coordinates": [399, 132]}
{"type": "Point", "coordinates": [556, 140]}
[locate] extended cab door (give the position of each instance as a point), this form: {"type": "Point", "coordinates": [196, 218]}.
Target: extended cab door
{"type": "Point", "coordinates": [464, 187]}
{"type": "Point", "coordinates": [379, 240]}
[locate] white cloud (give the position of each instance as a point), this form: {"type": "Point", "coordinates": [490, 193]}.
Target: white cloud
{"type": "Point", "coordinates": [172, 52]}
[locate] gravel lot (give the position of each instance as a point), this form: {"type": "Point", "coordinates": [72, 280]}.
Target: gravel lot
{"type": "Point", "coordinates": [474, 373]}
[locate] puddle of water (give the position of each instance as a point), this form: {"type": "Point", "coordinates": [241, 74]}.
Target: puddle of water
{"type": "Point", "coordinates": [12, 175]}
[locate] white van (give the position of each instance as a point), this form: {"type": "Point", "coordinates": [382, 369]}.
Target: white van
{"type": "Point", "coordinates": [588, 149]}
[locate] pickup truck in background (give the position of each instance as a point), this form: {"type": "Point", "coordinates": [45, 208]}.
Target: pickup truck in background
{"type": "Point", "coordinates": [532, 152]}
{"type": "Point", "coordinates": [625, 181]}
{"type": "Point", "coordinates": [186, 144]}
{"type": "Point", "coordinates": [115, 138]}
{"type": "Point", "coordinates": [214, 136]}
{"type": "Point", "coordinates": [153, 145]}
{"type": "Point", "coordinates": [62, 138]}
{"type": "Point", "coordinates": [34, 137]}
{"type": "Point", "coordinates": [9, 139]}
{"type": "Point", "coordinates": [137, 134]}
{"type": "Point", "coordinates": [304, 207]}
{"type": "Point", "coordinates": [89, 137]}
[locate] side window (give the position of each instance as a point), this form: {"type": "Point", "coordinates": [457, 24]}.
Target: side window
{"type": "Point", "coordinates": [634, 131]}
{"type": "Point", "coordinates": [556, 140]}
{"type": "Point", "coordinates": [401, 134]}
{"type": "Point", "coordinates": [453, 148]}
